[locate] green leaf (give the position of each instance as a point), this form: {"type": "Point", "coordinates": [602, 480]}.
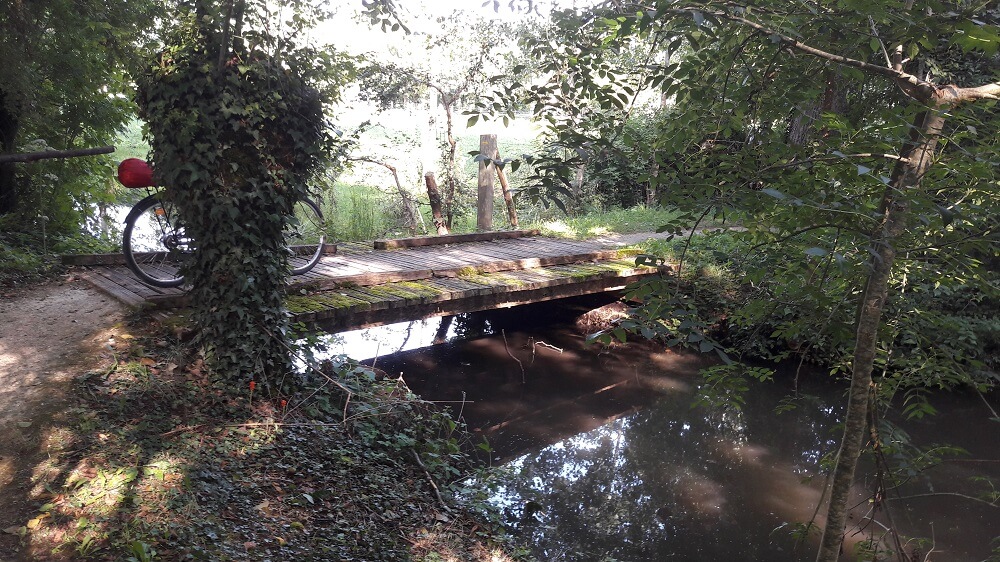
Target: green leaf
{"type": "Point", "coordinates": [947, 215]}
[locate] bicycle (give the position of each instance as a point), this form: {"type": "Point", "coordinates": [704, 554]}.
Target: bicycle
{"type": "Point", "coordinates": [155, 246]}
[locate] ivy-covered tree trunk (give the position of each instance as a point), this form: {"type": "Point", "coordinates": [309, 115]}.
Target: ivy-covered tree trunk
{"type": "Point", "coordinates": [235, 134]}
{"type": "Point", "coordinates": [916, 158]}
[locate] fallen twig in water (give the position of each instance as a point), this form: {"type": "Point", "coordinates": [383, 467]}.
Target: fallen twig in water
{"type": "Point", "coordinates": [548, 345]}
{"type": "Point", "coordinates": [519, 364]}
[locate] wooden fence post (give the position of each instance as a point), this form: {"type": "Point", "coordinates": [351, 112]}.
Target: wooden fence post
{"type": "Point", "coordinates": [484, 215]}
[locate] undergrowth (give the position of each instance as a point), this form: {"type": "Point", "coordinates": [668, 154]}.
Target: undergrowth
{"type": "Point", "coordinates": [940, 333]}
{"type": "Point", "coordinates": [164, 463]}
{"type": "Point", "coordinates": [29, 254]}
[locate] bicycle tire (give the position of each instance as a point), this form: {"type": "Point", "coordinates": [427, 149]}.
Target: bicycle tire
{"type": "Point", "coordinates": [155, 261]}
{"type": "Point", "coordinates": [307, 234]}
{"type": "Point", "coordinates": [154, 244]}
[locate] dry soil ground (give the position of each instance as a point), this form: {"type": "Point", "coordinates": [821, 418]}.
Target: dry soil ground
{"type": "Point", "coordinates": [48, 334]}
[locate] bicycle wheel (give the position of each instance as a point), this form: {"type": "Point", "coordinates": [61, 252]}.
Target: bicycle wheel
{"type": "Point", "coordinates": [305, 236]}
{"type": "Point", "coordinates": [154, 243]}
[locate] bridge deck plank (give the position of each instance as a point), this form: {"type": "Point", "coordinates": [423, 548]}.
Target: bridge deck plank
{"type": "Point", "coordinates": [361, 286]}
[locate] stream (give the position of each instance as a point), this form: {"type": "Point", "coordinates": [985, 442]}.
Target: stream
{"type": "Point", "coordinates": [601, 455]}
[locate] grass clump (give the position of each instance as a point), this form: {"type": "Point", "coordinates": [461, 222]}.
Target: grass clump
{"type": "Point", "coordinates": [604, 222]}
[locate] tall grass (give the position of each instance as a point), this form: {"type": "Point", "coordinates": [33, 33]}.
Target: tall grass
{"type": "Point", "coordinates": [602, 222]}
{"type": "Point", "coordinates": [356, 212]}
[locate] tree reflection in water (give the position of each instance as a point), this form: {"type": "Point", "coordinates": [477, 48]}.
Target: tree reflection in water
{"type": "Point", "coordinates": [672, 483]}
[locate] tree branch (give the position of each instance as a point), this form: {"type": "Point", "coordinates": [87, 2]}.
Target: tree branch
{"type": "Point", "coordinates": [48, 154]}
{"type": "Point", "coordinates": [936, 494]}
{"type": "Point", "coordinates": [839, 59]}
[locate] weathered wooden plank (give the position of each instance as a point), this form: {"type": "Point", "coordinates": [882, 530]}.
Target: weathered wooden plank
{"type": "Point", "coordinates": [365, 279]}
{"type": "Point", "coordinates": [475, 300]}
{"type": "Point", "coordinates": [411, 242]}
{"type": "Point", "coordinates": [92, 259]}
{"type": "Point", "coordinates": [452, 257]}
{"type": "Point", "coordinates": [397, 260]}
{"type": "Point", "coordinates": [377, 300]}
{"type": "Point", "coordinates": [338, 268]}
{"type": "Point", "coordinates": [112, 289]}
{"type": "Point", "coordinates": [353, 248]}
{"type": "Point", "coordinates": [126, 279]}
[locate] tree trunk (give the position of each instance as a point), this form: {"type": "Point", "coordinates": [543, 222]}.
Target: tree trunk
{"type": "Point", "coordinates": [449, 195]}
{"type": "Point", "coordinates": [404, 198]}
{"type": "Point", "coordinates": [53, 154]}
{"type": "Point", "coordinates": [800, 128]}
{"type": "Point", "coordinates": [409, 206]}
{"type": "Point", "coordinates": [578, 180]}
{"type": "Point", "coordinates": [801, 124]}
{"type": "Point", "coordinates": [917, 157]}
{"type": "Point", "coordinates": [9, 126]}
{"type": "Point", "coordinates": [435, 198]}
{"type": "Point", "coordinates": [508, 199]}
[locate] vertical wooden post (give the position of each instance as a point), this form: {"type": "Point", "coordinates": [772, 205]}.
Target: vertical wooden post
{"type": "Point", "coordinates": [484, 214]}
{"type": "Point", "coordinates": [435, 198]}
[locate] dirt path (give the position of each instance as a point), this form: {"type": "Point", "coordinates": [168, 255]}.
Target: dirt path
{"type": "Point", "coordinates": [48, 334]}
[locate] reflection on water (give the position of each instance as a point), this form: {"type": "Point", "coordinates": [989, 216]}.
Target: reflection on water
{"type": "Point", "coordinates": [670, 483]}
{"type": "Point", "coordinates": [607, 459]}
{"type": "Point", "coordinates": [675, 483]}
{"type": "Point", "coordinates": [371, 343]}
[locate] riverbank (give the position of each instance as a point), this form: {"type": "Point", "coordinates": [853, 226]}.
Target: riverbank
{"type": "Point", "coordinates": [141, 455]}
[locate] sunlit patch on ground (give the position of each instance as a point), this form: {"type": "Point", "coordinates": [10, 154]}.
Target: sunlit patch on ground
{"type": "Point", "coordinates": [598, 231]}
{"type": "Point", "coordinates": [558, 227]}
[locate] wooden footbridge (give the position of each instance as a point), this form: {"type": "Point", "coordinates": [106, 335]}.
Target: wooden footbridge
{"type": "Point", "coordinates": [358, 285]}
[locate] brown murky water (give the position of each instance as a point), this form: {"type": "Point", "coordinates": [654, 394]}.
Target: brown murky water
{"type": "Point", "coordinates": [605, 458]}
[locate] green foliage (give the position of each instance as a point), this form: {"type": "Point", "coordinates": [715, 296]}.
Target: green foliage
{"type": "Point", "coordinates": [621, 175]}
{"type": "Point", "coordinates": [66, 82]}
{"type": "Point", "coordinates": [33, 255]}
{"type": "Point", "coordinates": [357, 212]}
{"type": "Point", "coordinates": [596, 222]}
{"type": "Point", "coordinates": [939, 333]}
{"type": "Point", "coordinates": [806, 192]}
{"type": "Point", "coordinates": [236, 130]}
